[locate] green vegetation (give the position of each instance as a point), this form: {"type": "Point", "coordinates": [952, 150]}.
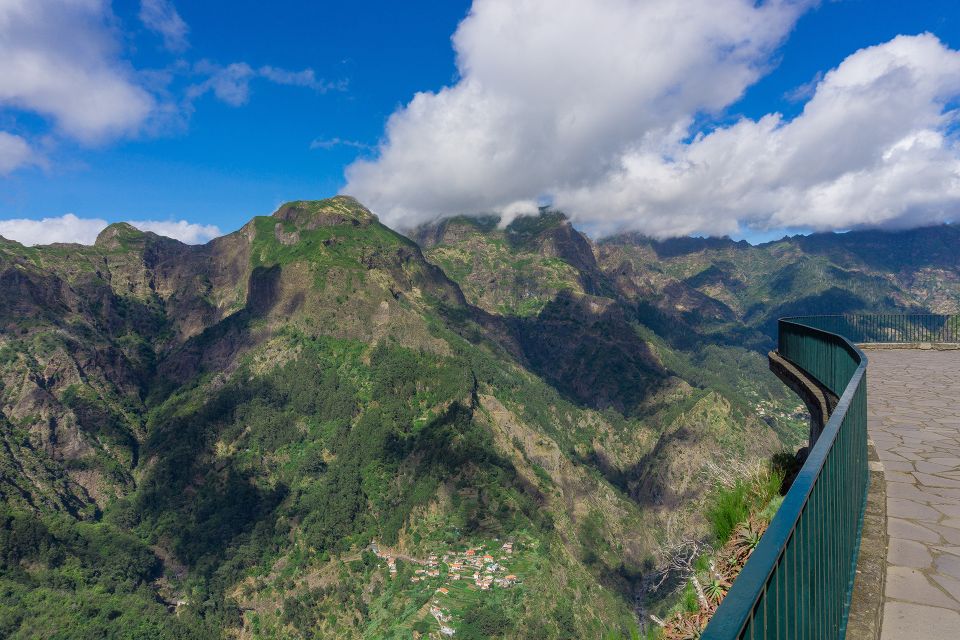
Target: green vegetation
{"type": "Point", "coordinates": [732, 293]}
{"type": "Point", "coordinates": [64, 579]}
{"type": "Point", "coordinates": [505, 271]}
{"type": "Point", "coordinates": [344, 246]}
{"type": "Point", "coordinates": [734, 504]}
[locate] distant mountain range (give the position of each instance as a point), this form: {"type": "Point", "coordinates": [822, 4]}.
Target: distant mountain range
{"type": "Point", "coordinates": [241, 439]}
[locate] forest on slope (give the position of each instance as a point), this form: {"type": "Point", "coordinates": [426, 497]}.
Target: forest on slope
{"type": "Point", "coordinates": [286, 432]}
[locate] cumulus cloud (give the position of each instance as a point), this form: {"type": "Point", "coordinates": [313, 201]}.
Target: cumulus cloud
{"type": "Point", "coordinates": [188, 232]}
{"type": "Point", "coordinates": [872, 147]}
{"type": "Point", "coordinates": [161, 17]}
{"type": "Point", "coordinates": [70, 228]}
{"type": "Point", "coordinates": [60, 60]}
{"type": "Point", "coordinates": [595, 104]}
{"type": "Point", "coordinates": [14, 152]}
{"type": "Point", "coordinates": [231, 83]}
{"type": "Point", "coordinates": [552, 93]}
{"type": "Point", "coordinates": [66, 228]}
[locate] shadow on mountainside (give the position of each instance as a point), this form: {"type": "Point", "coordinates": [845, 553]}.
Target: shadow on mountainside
{"type": "Point", "coordinates": [832, 301]}
{"type": "Point", "coordinates": [648, 481]}
{"type": "Point", "coordinates": [888, 251]}
{"type": "Point", "coordinates": [586, 349]}
{"type": "Point", "coordinates": [222, 513]}
{"type": "Point", "coordinates": [216, 347]}
{"type": "Point", "coordinates": [194, 504]}
{"type": "Point", "coordinates": [211, 490]}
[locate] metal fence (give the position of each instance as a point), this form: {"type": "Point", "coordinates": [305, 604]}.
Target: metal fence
{"type": "Point", "coordinates": [889, 328]}
{"type": "Point", "coordinates": [798, 581]}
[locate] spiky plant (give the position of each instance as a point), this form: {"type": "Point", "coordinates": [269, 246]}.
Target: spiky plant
{"type": "Point", "coordinates": [716, 590]}
{"type": "Point", "coordinates": [745, 539]}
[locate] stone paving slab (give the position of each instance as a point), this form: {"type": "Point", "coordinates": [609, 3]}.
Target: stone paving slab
{"type": "Point", "coordinates": [914, 422]}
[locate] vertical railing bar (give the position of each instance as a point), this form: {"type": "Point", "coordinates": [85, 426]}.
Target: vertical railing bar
{"type": "Point", "coordinates": [830, 549]}
{"type": "Point", "coordinates": [802, 619]}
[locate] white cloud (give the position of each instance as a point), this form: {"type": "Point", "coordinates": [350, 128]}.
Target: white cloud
{"type": "Point", "coordinates": [66, 228]}
{"type": "Point", "coordinates": [517, 209]}
{"type": "Point", "coordinates": [14, 152]}
{"type": "Point", "coordinates": [331, 143]}
{"type": "Point", "coordinates": [231, 83]}
{"type": "Point", "coordinates": [305, 78]}
{"type": "Point", "coordinates": [161, 17]}
{"type": "Point", "coordinates": [872, 147]}
{"type": "Point", "coordinates": [70, 228]}
{"type": "Point", "coordinates": [60, 60]}
{"type": "Point", "coordinates": [553, 93]}
{"type": "Point", "coordinates": [188, 232]}
{"type": "Point", "coordinates": [593, 104]}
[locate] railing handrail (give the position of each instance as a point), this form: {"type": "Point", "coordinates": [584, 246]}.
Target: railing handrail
{"type": "Point", "coordinates": [877, 313]}
{"type": "Point", "coordinates": [880, 328]}
{"type": "Point", "coordinates": [738, 607]}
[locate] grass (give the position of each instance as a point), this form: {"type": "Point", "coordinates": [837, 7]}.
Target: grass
{"type": "Point", "coordinates": [730, 505]}
{"type": "Point", "coordinates": [326, 246]}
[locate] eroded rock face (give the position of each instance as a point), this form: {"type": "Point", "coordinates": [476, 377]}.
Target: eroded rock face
{"type": "Point", "coordinates": [286, 238]}
{"type": "Point", "coordinates": [91, 330]}
{"type": "Point", "coordinates": [88, 333]}
{"type": "Point", "coordinates": [83, 328]}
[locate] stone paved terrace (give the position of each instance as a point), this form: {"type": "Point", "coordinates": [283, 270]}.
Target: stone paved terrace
{"type": "Point", "coordinates": [914, 421]}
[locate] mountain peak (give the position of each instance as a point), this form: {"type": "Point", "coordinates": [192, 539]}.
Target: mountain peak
{"type": "Point", "coordinates": [118, 235]}
{"type": "Point", "coordinates": [527, 229]}
{"type": "Point", "coordinates": [533, 227]}
{"type": "Point", "coordinates": [311, 214]}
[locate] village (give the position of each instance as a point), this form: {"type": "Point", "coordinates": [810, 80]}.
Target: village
{"type": "Point", "coordinates": [768, 408]}
{"type": "Point", "coordinates": [475, 568]}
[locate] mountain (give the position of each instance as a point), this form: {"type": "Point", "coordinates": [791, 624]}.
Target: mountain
{"type": "Point", "coordinates": [734, 290]}
{"type": "Point", "coordinates": [308, 427]}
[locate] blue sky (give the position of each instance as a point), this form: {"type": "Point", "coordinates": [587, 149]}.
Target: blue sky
{"type": "Point", "coordinates": [316, 82]}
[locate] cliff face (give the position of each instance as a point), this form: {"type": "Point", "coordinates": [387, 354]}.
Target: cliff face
{"type": "Point", "coordinates": [90, 332]}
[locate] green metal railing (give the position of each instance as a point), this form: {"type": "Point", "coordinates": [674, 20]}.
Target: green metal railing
{"type": "Point", "coordinates": [798, 581]}
{"type": "Point", "coordinates": [889, 328]}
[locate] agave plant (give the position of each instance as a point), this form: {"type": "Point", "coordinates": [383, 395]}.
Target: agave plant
{"type": "Point", "coordinates": [716, 589]}
{"type": "Point", "coordinates": [745, 539]}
